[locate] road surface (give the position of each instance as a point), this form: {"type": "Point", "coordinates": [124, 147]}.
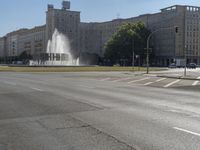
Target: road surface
{"type": "Point", "coordinates": [98, 111]}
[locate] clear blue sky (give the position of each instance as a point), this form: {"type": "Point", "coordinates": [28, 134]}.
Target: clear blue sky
{"type": "Point", "coordinates": [15, 14]}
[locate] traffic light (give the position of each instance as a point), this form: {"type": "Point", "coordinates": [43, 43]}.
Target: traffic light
{"type": "Point", "coordinates": [176, 29]}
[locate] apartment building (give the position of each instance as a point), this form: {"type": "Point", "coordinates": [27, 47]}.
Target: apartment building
{"type": "Point", "coordinates": [90, 38]}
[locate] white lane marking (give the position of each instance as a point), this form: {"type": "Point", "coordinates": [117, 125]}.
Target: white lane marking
{"type": "Point", "coordinates": [178, 111]}
{"type": "Point", "coordinates": [198, 78]}
{"type": "Point", "coordinates": [187, 131]}
{"type": "Point", "coordinates": [195, 83]}
{"type": "Point", "coordinates": [161, 79]}
{"type": "Point", "coordinates": [170, 84]}
{"type": "Point", "coordinates": [37, 89]}
{"type": "Point", "coordinates": [137, 80]}
{"type": "Point", "coordinates": [148, 83]}
{"type": "Point", "coordinates": [173, 110]}
{"type": "Point", "coordinates": [10, 83]}
{"type": "Point", "coordinates": [105, 79]}
{"type": "Point", "coordinates": [123, 79]}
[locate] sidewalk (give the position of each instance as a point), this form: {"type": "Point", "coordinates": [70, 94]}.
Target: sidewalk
{"type": "Point", "coordinates": [190, 74]}
{"type": "Point", "coordinates": [187, 77]}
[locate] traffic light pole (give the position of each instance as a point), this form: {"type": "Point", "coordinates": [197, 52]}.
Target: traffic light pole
{"type": "Point", "coordinates": [148, 40]}
{"type": "Point", "coordinates": [185, 68]}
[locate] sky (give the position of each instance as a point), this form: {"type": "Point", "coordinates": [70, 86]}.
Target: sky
{"type": "Point", "coordinates": [16, 14]}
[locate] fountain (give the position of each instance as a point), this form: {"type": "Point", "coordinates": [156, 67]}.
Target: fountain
{"type": "Point", "coordinates": [57, 53]}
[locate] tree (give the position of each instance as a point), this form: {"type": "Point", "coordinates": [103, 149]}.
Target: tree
{"type": "Point", "coordinates": [129, 37]}
{"type": "Point", "coordinates": [24, 56]}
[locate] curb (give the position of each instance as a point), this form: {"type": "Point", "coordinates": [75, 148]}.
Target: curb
{"type": "Point", "coordinates": [180, 77]}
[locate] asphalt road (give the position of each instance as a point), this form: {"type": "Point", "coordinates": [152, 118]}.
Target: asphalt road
{"type": "Point", "coordinates": [98, 111]}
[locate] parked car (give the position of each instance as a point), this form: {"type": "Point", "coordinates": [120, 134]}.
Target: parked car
{"type": "Point", "coordinates": [198, 65]}
{"type": "Point", "coordinates": [173, 65]}
{"type": "Point", "coordinates": [192, 65]}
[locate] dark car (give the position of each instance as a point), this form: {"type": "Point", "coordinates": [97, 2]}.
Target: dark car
{"type": "Point", "coordinates": [192, 66]}
{"type": "Point", "coordinates": [173, 65]}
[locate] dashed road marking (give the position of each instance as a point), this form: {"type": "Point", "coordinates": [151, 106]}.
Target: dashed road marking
{"type": "Point", "coordinates": [148, 83]}
{"type": "Point", "coordinates": [195, 83]}
{"type": "Point", "coordinates": [172, 83]}
{"type": "Point", "coordinates": [137, 80]}
{"type": "Point", "coordinates": [105, 79]}
{"type": "Point", "coordinates": [37, 89]}
{"type": "Point", "coordinates": [187, 131]}
{"type": "Point", "coordinates": [174, 111]}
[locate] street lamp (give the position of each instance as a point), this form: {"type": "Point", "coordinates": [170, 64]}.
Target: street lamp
{"type": "Point", "coordinates": [148, 39]}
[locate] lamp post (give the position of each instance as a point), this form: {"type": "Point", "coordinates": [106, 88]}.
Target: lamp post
{"type": "Point", "coordinates": [138, 58]}
{"type": "Point", "coordinates": [148, 39]}
{"type": "Point", "coordinates": [148, 51]}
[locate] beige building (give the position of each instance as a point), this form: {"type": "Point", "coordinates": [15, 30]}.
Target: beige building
{"type": "Point", "coordinates": [32, 41]}
{"type": "Point", "coordinates": [90, 38]}
{"type": "Point", "coordinates": [93, 36]}
{"type": "Point", "coordinates": [2, 49]}
{"type": "Point", "coordinates": [168, 46]}
{"type": "Point", "coordinates": [66, 22]}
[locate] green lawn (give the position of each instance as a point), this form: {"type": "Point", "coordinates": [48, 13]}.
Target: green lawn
{"type": "Point", "coordinates": [72, 69]}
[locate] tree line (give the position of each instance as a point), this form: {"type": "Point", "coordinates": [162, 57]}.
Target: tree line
{"type": "Point", "coordinates": [129, 40]}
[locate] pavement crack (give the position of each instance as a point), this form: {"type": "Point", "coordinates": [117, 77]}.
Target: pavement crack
{"type": "Point", "coordinates": [41, 124]}
{"type": "Point", "coordinates": [99, 132]}
{"type": "Point", "coordinates": [77, 127]}
{"type": "Point", "coordinates": [129, 147]}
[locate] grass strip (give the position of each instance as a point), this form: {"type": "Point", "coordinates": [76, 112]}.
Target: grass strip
{"type": "Point", "coordinates": [72, 69]}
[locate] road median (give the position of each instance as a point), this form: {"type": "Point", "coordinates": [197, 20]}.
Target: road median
{"type": "Point", "coordinates": [71, 69]}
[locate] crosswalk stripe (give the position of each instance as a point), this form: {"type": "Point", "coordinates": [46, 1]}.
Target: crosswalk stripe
{"type": "Point", "coordinates": [137, 80]}
{"type": "Point", "coordinates": [37, 89]}
{"type": "Point", "coordinates": [170, 84]}
{"type": "Point", "coordinates": [161, 79]}
{"type": "Point", "coordinates": [148, 83]}
{"type": "Point", "coordinates": [195, 83]}
{"type": "Point", "coordinates": [187, 131]}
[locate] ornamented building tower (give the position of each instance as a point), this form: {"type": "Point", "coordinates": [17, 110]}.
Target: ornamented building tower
{"type": "Point", "coordinates": [66, 22]}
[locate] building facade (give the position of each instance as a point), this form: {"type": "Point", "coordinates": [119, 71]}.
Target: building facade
{"type": "Point", "coordinates": [2, 49]}
{"type": "Point", "coordinates": [66, 22]}
{"type": "Point", "coordinates": [88, 39]}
